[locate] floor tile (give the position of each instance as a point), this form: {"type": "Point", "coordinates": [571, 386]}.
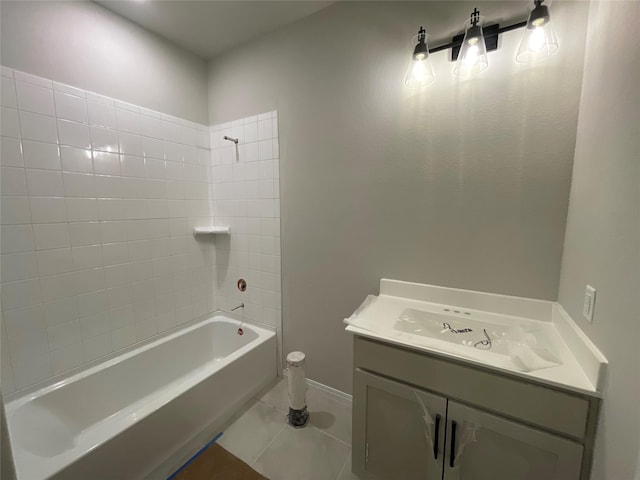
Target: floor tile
{"type": "Point", "coordinates": [304, 453]}
{"type": "Point", "coordinates": [330, 414]}
{"type": "Point", "coordinates": [346, 471]}
{"type": "Point", "coordinates": [248, 436]}
{"type": "Point", "coordinates": [277, 395]}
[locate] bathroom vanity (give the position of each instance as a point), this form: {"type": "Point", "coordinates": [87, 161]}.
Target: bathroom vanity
{"type": "Point", "coordinates": [452, 384]}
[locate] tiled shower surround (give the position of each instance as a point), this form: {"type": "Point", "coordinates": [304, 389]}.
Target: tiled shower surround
{"type": "Point", "coordinates": [246, 196]}
{"type": "Point", "coordinates": [99, 199]}
{"type": "Point", "coordinates": [246, 191]}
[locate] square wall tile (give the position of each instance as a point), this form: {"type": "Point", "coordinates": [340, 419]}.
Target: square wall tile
{"type": "Point", "coordinates": [171, 131]}
{"type": "Point", "coordinates": [11, 152]}
{"type": "Point", "coordinates": [48, 209]}
{"type": "Point", "coordinates": [88, 256]}
{"type": "Point", "coordinates": [76, 159]}
{"type": "Point", "coordinates": [60, 311]}
{"type": "Point", "coordinates": [9, 124]}
{"type": "Point", "coordinates": [13, 181]}
{"type": "Point", "coordinates": [78, 184]}
{"type": "Point", "coordinates": [54, 262]}
{"type": "Point", "coordinates": [151, 126]}
{"type": "Point", "coordinates": [74, 134]}
{"type": "Point", "coordinates": [115, 253]}
{"type": "Point", "coordinates": [41, 155]}
{"type": "Point", "coordinates": [64, 335]}
{"type": "Point", "coordinates": [57, 286]}
{"type": "Point", "coordinates": [110, 209]}
{"type": "Point", "coordinates": [51, 235]}
{"type": "Point", "coordinates": [94, 325]}
{"type": "Point", "coordinates": [82, 209]}
{"type": "Point", "coordinates": [102, 115]}
{"type": "Point", "coordinates": [132, 166]}
{"type": "Point", "coordinates": [92, 303]}
{"type": "Point", "coordinates": [45, 183]}
{"type": "Point", "coordinates": [15, 210]}
{"type": "Point", "coordinates": [18, 266]}
{"type": "Point", "coordinates": [123, 337]}
{"type": "Point", "coordinates": [40, 128]}
{"type": "Point", "coordinates": [67, 358]}
{"type": "Point", "coordinates": [71, 107]}
{"type": "Point", "coordinates": [108, 186]}
{"type": "Point", "coordinates": [153, 148]}
{"type": "Point", "coordinates": [172, 151]}
{"type": "Point", "coordinates": [128, 121]}
{"type": "Point", "coordinates": [90, 280]}
{"type": "Point", "coordinates": [32, 370]}
{"type": "Point", "coordinates": [17, 238]}
{"type": "Point", "coordinates": [131, 144]}
{"type": "Point", "coordinates": [96, 347]}
{"type": "Point", "coordinates": [84, 233]}
{"type": "Point", "coordinates": [8, 93]}
{"type": "Point", "coordinates": [21, 294]}
{"type": "Point", "coordinates": [34, 98]}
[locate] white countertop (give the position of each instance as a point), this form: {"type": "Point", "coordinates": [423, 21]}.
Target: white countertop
{"type": "Point", "coordinates": [491, 331]}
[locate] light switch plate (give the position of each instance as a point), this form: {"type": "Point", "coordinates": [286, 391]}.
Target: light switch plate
{"type": "Point", "coordinates": [589, 303]}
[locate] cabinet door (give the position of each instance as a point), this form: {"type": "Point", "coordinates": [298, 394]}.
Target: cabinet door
{"type": "Point", "coordinates": [398, 430]}
{"type": "Point", "coordinates": [482, 446]}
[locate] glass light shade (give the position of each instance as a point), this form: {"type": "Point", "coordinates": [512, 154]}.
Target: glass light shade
{"type": "Point", "coordinates": [472, 57]}
{"type": "Point", "coordinates": [420, 71]}
{"type": "Point", "coordinates": [539, 40]}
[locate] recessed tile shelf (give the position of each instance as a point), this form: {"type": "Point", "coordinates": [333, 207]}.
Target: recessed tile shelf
{"type": "Point", "coordinates": [213, 230]}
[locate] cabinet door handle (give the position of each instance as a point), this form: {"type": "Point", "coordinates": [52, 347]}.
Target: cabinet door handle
{"type": "Point", "coordinates": [452, 450]}
{"type": "Point", "coordinates": [437, 435]}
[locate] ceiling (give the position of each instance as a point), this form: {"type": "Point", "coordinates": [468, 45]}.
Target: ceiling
{"type": "Point", "coordinates": [208, 28]}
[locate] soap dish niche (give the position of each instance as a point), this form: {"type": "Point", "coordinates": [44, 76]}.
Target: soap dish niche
{"type": "Point", "coordinates": [212, 230]}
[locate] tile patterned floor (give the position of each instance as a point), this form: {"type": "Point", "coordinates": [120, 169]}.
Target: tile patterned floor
{"type": "Point", "coordinates": [260, 436]}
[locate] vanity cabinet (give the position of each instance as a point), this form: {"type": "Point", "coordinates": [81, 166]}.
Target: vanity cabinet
{"type": "Point", "coordinates": [416, 416]}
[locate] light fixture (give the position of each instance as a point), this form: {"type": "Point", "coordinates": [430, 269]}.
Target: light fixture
{"type": "Point", "coordinates": [472, 57]}
{"type": "Point", "coordinates": [469, 50]}
{"type": "Point", "coordinates": [420, 70]}
{"type": "Point", "coordinates": [539, 39]}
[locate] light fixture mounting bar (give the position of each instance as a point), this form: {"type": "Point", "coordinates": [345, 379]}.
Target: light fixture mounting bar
{"type": "Point", "coordinates": [490, 34]}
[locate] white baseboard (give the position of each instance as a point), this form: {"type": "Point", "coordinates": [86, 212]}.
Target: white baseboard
{"type": "Point", "coordinates": [325, 388]}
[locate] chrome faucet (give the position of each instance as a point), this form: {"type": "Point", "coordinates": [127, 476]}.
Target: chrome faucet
{"type": "Point", "coordinates": [239, 306]}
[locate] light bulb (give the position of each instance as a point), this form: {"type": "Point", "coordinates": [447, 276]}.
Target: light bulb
{"type": "Point", "coordinates": [419, 70]}
{"type": "Point", "coordinates": [471, 57]}
{"type": "Point", "coordinates": [536, 39]}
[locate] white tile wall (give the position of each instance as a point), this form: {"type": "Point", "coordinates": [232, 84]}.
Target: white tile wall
{"type": "Point", "coordinates": [99, 199]}
{"type": "Point", "coordinates": [247, 197]}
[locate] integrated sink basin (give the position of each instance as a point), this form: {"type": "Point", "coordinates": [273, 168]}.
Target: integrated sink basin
{"type": "Point", "coordinates": [461, 331]}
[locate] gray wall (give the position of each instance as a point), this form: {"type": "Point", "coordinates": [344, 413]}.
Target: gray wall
{"type": "Point", "coordinates": [602, 246]}
{"type": "Point", "coordinates": [465, 184]}
{"type": "Point", "coordinates": [85, 45]}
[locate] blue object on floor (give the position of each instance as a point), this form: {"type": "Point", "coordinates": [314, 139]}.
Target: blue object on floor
{"type": "Point", "coordinates": [186, 464]}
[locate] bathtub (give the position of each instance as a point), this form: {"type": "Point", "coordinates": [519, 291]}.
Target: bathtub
{"type": "Point", "coordinates": [139, 414]}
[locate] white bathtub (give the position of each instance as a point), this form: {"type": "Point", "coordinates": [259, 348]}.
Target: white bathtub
{"type": "Point", "coordinates": [128, 417]}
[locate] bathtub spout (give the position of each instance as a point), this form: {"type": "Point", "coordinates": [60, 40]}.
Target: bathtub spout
{"type": "Point", "coordinates": [239, 306]}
